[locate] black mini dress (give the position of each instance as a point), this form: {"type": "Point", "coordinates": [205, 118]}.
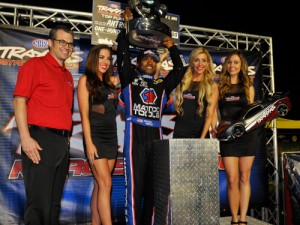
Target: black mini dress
{"type": "Point", "coordinates": [102, 115]}
{"type": "Point", "coordinates": [190, 124]}
{"type": "Point", "coordinates": [230, 108]}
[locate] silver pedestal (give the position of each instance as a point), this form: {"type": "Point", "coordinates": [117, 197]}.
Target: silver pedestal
{"type": "Point", "coordinates": [186, 182]}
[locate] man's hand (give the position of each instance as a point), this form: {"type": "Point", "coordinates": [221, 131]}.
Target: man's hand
{"type": "Point", "coordinates": [127, 14]}
{"type": "Point", "coordinates": [167, 42]}
{"type": "Point", "coordinates": [31, 148]}
{"type": "Point", "coordinates": [29, 145]}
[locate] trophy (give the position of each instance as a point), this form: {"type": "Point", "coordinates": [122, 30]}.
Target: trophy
{"type": "Point", "coordinates": [146, 29]}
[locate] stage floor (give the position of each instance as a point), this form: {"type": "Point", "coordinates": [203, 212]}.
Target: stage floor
{"type": "Point", "coordinates": [250, 220]}
{"type": "Point", "coordinates": [226, 221]}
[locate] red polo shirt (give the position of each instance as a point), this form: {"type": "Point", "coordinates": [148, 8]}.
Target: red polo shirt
{"type": "Point", "coordinates": [49, 89]}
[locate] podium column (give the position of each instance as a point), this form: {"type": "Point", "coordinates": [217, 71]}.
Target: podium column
{"type": "Point", "coordinates": [186, 182]}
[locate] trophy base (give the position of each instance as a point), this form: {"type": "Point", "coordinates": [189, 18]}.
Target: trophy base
{"type": "Point", "coordinates": [147, 33]}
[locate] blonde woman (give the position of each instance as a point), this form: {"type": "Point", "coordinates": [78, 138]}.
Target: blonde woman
{"type": "Point", "coordinates": [196, 97]}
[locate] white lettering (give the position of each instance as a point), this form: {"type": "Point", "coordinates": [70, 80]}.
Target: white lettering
{"type": "Point", "coordinates": [112, 23]}
{"type": "Point", "coordinates": [146, 110]}
{"type": "Point", "coordinates": [19, 52]}
{"type": "Point", "coordinates": [251, 70]}
{"type": "Point", "coordinates": [107, 10]}
{"type": "Point", "coordinates": [266, 113]}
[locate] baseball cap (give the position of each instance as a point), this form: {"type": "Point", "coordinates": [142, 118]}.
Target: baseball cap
{"type": "Point", "coordinates": [143, 54]}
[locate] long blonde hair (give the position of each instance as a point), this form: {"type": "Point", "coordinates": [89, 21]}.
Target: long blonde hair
{"type": "Point", "coordinates": [225, 83]}
{"type": "Point", "coordinates": [207, 85]}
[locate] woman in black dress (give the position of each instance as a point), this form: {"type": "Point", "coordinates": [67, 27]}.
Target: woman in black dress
{"type": "Point", "coordinates": [196, 97]}
{"type": "Point", "coordinates": [236, 92]}
{"type": "Point", "coordinates": [97, 98]}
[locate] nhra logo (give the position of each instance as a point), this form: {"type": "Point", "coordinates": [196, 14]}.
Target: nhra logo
{"type": "Point", "coordinates": [148, 96]}
{"type": "Point", "coordinates": [40, 43]}
{"type": "Point", "coordinates": [223, 59]}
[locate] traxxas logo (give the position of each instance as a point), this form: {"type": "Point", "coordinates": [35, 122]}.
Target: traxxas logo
{"type": "Point", "coordinates": [148, 96]}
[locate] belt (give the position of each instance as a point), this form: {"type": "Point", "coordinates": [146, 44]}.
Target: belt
{"type": "Point", "coordinates": [64, 133]}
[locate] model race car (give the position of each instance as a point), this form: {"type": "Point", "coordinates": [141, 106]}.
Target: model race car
{"type": "Point", "coordinates": [255, 115]}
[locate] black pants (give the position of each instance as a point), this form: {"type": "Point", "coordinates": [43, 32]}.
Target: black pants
{"type": "Point", "coordinates": [138, 159]}
{"type": "Point", "coordinates": [44, 182]}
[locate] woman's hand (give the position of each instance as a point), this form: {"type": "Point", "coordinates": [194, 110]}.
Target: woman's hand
{"type": "Point", "coordinates": [91, 153]}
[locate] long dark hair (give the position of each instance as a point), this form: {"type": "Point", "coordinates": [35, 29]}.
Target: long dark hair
{"type": "Point", "coordinates": [93, 82]}
{"type": "Point", "coordinates": [225, 83]}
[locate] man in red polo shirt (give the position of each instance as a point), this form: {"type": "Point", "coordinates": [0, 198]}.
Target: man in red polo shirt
{"type": "Point", "coordinates": [43, 100]}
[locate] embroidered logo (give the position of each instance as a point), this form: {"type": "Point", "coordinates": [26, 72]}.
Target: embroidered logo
{"type": "Point", "coordinates": [148, 95]}
{"type": "Point", "coordinates": [189, 96]}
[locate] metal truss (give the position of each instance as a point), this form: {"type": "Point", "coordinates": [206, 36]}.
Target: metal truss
{"type": "Point", "coordinates": [33, 16]}
{"type": "Point", "coordinates": [190, 37]}
{"type": "Point", "coordinates": [220, 39]}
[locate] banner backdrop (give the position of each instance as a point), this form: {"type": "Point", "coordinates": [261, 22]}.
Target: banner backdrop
{"type": "Point", "coordinates": [17, 45]}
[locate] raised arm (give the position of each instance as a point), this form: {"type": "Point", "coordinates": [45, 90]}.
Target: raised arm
{"type": "Point", "coordinates": [175, 75]}
{"type": "Point", "coordinates": [123, 53]}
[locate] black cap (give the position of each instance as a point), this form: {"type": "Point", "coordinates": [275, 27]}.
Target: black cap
{"type": "Point", "coordinates": [143, 54]}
